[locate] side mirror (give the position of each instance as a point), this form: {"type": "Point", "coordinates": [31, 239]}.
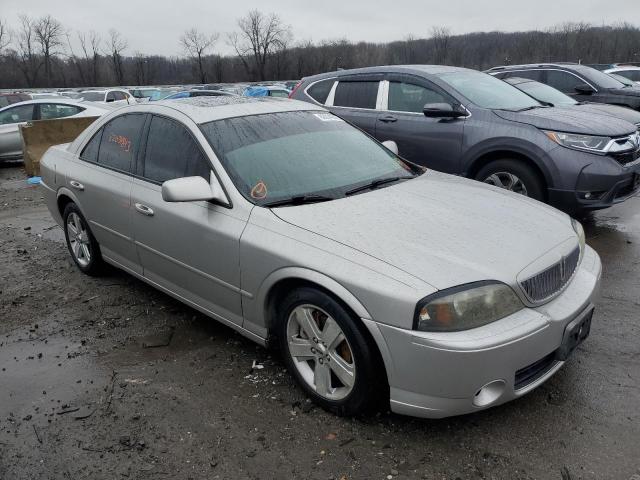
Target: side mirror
{"type": "Point", "coordinates": [441, 110]}
{"type": "Point", "coordinates": [391, 145]}
{"type": "Point", "coordinates": [585, 89]}
{"type": "Point", "coordinates": [192, 189]}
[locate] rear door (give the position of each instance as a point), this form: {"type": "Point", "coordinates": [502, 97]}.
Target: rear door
{"type": "Point", "coordinates": [189, 248]}
{"type": "Point", "coordinates": [355, 98]}
{"type": "Point", "coordinates": [432, 142]}
{"type": "Point", "coordinates": [10, 121]}
{"type": "Point", "coordinates": [102, 181]}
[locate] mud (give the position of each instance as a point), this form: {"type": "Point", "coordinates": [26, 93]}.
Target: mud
{"type": "Point", "coordinates": [107, 378]}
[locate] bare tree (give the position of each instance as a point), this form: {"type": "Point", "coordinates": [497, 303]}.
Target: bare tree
{"type": "Point", "coordinates": [29, 62]}
{"type": "Point", "coordinates": [49, 34]}
{"type": "Point", "coordinates": [91, 52]}
{"type": "Point", "coordinates": [196, 44]}
{"type": "Point", "coordinates": [259, 36]}
{"type": "Point", "coordinates": [117, 45]}
{"type": "Point", "coordinates": [5, 36]}
{"type": "Point", "coordinates": [441, 37]}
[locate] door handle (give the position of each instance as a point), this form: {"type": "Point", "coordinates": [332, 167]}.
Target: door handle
{"type": "Point", "coordinates": [143, 209]}
{"type": "Point", "coordinates": [388, 119]}
{"type": "Point", "coordinates": [77, 185]}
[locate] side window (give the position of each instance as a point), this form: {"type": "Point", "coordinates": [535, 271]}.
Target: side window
{"type": "Point", "coordinates": [56, 110]}
{"type": "Point", "coordinates": [90, 151]}
{"type": "Point", "coordinates": [111, 97]}
{"type": "Point", "coordinates": [19, 114]}
{"type": "Point", "coordinates": [119, 96]}
{"type": "Point", "coordinates": [633, 75]}
{"type": "Point", "coordinates": [320, 91]}
{"type": "Point", "coordinates": [407, 97]}
{"type": "Point", "coordinates": [172, 153]}
{"type": "Point", "coordinates": [563, 81]}
{"type": "Point", "coordinates": [120, 142]}
{"type": "Point", "coordinates": [530, 74]}
{"type": "Point", "coordinates": [356, 94]}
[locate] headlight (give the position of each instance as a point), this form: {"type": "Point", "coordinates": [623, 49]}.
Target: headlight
{"type": "Point", "coordinates": [577, 226]}
{"type": "Point", "coordinates": [588, 143]}
{"type": "Point", "coordinates": [465, 307]}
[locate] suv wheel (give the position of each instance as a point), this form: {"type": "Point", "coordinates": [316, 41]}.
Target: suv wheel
{"type": "Point", "coordinates": [512, 175]}
{"type": "Point", "coordinates": [328, 352]}
{"type": "Point", "coordinates": [81, 243]}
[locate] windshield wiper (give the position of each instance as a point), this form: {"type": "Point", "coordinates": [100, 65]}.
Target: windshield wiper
{"type": "Point", "coordinates": [298, 200]}
{"type": "Point", "coordinates": [532, 107]}
{"type": "Point", "coordinates": [375, 184]}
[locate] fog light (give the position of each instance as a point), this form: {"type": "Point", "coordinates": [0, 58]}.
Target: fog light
{"type": "Point", "coordinates": [488, 394]}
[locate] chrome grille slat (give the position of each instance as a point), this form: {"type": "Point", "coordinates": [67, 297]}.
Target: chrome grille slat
{"type": "Point", "coordinates": [552, 280]}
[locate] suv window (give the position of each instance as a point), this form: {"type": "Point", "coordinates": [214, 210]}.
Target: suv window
{"type": "Point", "coordinates": [111, 96]}
{"type": "Point", "coordinates": [172, 153]}
{"type": "Point", "coordinates": [21, 113]}
{"type": "Point", "coordinates": [633, 75]}
{"type": "Point", "coordinates": [563, 81]}
{"type": "Point", "coordinates": [356, 94]}
{"type": "Point", "coordinates": [57, 110]}
{"type": "Point", "coordinates": [120, 141]}
{"type": "Point", "coordinates": [530, 74]}
{"type": "Point", "coordinates": [320, 91]}
{"type": "Point", "coordinates": [408, 97]}
{"type": "Point", "coordinates": [119, 96]}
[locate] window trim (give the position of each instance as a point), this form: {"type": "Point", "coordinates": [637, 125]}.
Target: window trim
{"type": "Point", "coordinates": [545, 69]}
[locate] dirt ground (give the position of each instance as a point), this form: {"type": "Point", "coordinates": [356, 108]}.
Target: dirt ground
{"type": "Point", "coordinates": [107, 378]}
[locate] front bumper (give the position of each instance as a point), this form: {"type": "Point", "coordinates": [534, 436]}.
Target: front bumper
{"type": "Point", "coordinates": [592, 182]}
{"type": "Point", "coordinates": [436, 375]}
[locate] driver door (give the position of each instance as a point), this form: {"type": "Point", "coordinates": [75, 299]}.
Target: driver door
{"type": "Point", "coordinates": [10, 121]}
{"type": "Point", "coordinates": [188, 248]}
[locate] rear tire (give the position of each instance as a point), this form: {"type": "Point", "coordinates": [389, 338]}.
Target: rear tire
{"type": "Point", "coordinates": [328, 352]}
{"type": "Point", "coordinates": [513, 175]}
{"type": "Point", "coordinates": [82, 245]}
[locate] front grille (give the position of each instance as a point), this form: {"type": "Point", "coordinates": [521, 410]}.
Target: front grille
{"type": "Point", "coordinates": [547, 283]}
{"type": "Point", "coordinates": [529, 374]}
{"type": "Point", "coordinates": [626, 158]}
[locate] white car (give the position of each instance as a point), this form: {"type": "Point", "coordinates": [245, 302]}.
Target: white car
{"type": "Point", "coordinates": [631, 73]}
{"type": "Point", "coordinates": [112, 96]}
{"type": "Point", "coordinates": [16, 114]}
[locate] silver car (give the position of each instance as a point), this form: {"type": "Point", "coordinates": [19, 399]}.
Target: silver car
{"type": "Point", "coordinates": [16, 114]}
{"type": "Point", "coordinates": [375, 278]}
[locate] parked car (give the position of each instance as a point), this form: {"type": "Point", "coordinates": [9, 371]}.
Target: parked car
{"type": "Point", "coordinates": [468, 123]}
{"type": "Point", "coordinates": [151, 94]}
{"type": "Point", "coordinates": [199, 93]}
{"type": "Point", "coordinates": [266, 91]}
{"type": "Point", "coordinates": [9, 98]}
{"type": "Point", "coordinates": [375, 277]}
{"type": "Point", "coordinates": [555, 98]}
{"type": "Point", "coordinates": [114, 96]}
{"type": "Point", "coordinates": [629, 72]}
{"type": "Point", "coordinates": [578, 81]}
{"type": "Point", "coordinates": [17, 114]}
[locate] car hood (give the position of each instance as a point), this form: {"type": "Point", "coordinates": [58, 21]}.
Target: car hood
{"type": "Point", "coordinates": [571, 121]}
{"type": "Point", "coordinates": [623, 113]}
{"type": "Point", "coordinates": [442, 229]}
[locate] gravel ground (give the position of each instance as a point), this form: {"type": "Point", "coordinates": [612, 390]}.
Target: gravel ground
{"type": "Point", "coordinates": [107, 378]}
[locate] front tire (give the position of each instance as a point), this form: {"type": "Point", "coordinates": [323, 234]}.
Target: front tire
{"type": "Point", "coordinates": [513, 175]}
{"type": "Point", "coordinates": [82, 245]}
{"type": "Point", "coordinates": [328, 352]}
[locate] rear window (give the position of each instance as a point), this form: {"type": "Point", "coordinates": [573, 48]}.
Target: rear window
{"type": "Point", "coordinates": [319, 91]}
{"type": "Point", "coordinates": [356, 94]}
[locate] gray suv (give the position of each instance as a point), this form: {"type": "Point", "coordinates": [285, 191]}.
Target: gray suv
{"type": "Point", "coordinates": [468, 123]}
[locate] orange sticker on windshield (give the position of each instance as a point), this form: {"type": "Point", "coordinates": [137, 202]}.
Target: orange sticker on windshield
{"type": "Point", "coordinates": [259, 191]}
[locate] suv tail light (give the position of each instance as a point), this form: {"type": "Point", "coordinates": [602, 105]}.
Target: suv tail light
{"type": "Point", "coordinates": [295, 88]}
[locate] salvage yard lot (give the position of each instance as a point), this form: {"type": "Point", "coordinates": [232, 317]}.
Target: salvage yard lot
{"type": "Point", "coordinates": [110, 378]}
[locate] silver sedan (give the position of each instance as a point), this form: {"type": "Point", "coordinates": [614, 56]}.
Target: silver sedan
{"type": "Point", "coordinates": [376, 279]}
{"type": "Point", "coordinates": [16, 114]}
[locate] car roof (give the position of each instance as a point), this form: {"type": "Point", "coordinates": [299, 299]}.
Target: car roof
{"type": "Point", "coordinates": [415, 69]}
{"type": "Point", "coordinates": [622, 68]}
{"type": "Point", "coordinates": [63, 100]}
{"type": "Point", "coordinates": [518, 80]}
{"type": "Point", "coordinates": [206, 109]}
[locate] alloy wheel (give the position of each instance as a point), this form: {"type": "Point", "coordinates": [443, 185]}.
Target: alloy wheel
{"type": "Point", "coordinates": [78, 239]}
{"type": "Point", "coordinates": [320, 351]}
{"type": "Point", "coordinates": [508, 181]}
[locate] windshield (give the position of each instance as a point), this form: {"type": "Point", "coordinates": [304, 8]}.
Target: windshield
{"type": "Point", "coordinates": [93, 96]}
{"type": "Point", "coordinates": [488, 92]}
{"type": "Point", "coordinates": [622, 79]}
{"type": "Point", "coordinates": [601, 79]}
{"type": "Point", "coordinates": [545, 93]}
{"type": "Point", "coordinates": [278, 156]}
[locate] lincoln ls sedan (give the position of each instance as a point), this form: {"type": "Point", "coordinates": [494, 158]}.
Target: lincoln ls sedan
{"type": "Point", "coordinates": [378, 280]}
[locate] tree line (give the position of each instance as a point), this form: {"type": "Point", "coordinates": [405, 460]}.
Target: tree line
{"type": "Point", "coordinates": [42, 52]}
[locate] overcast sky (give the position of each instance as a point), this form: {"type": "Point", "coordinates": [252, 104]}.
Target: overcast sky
{"type": "Point", "coordinates": [154, 26]}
